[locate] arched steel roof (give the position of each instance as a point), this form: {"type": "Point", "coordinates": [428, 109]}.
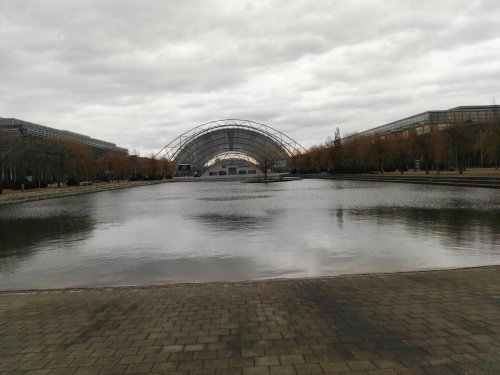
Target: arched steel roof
{"type": "Point", "coordinates": [204, 142]}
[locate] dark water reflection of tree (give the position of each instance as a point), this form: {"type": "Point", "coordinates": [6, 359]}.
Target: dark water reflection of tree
{"type": "Point", "coordinates": [453, 226]}
{"type": "Point", "coordinates": [20, 237]}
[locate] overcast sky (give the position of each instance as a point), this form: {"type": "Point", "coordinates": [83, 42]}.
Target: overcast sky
{"type": "Point", "coordinates": [139, 73]}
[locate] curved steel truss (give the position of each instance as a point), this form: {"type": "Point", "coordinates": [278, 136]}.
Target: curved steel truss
{"type": "Point", "coordinates": [205, 142]}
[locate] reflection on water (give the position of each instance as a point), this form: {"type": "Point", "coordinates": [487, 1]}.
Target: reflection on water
{"type": "Point", "coordinates": [233, 198]}
{"type": "Point", "coordinates": [338, 213]}
{"type": "Point", "coordinates": [232, 222]}
{"type": "Point", "coordinates": [192, 232]}
{"type": "Point", "coordinates": [21, 236]}
{"type": "Point", "coordinates": [23, 227]}
{"type": "Point", "coordinates": [462, 226]}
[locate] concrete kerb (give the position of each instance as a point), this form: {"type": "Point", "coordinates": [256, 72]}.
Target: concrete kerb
{"type": "Point", "coordinates": [250, 282]}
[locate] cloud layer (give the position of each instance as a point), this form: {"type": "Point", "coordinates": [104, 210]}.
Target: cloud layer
{"type": "Point", "coordinates": [139, 73]}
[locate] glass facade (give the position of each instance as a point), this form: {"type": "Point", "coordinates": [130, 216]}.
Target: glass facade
{"type": "Point", "coordinates": [32, 132]}
{"type": "Point", "coordinates": [471, 114]}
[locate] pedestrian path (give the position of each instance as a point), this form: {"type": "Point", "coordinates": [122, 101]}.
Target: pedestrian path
{"type": "Point", "coordinates": [66, 191]}
{"type": "Point", "coordinates": [436, 322]}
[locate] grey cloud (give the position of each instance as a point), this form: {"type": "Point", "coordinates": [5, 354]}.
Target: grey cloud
{"type": "Point", "coordinates": [141, 73]}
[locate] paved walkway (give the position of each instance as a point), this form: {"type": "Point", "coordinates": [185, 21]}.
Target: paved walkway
{"type": "Point", "coordinates": [15, 196]}
{"type": "Point", "coordinates": [443, 322]}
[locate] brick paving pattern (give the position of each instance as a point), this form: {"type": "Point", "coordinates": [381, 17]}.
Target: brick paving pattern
{"type": "Point", "coordinates": [439, 322]}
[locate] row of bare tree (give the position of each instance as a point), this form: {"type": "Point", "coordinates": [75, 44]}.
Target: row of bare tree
{"type": "Point", "coordinates": [36, 162]}
{"type": "Point", "coordinates": [429, 147]}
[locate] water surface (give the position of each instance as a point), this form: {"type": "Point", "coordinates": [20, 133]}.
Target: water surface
{"type": "Point", "coordinates": [220, 231]}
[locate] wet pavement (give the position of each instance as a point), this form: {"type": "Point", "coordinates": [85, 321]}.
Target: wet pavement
{"type": "Point", "coordinates": [435, 322]}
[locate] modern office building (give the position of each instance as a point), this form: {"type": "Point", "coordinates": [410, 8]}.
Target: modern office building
{"type": "Point", "coordinates": [442, 118]}
{"type": "Point", "coordinates": [457, 138]}
{"type": "Point", "coordinates": [31, 152]}
{"type": "Point", "coordinates": [30, 134]}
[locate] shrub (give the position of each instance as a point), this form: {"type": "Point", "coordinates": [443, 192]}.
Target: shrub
{"type": "Point", "coordinates": [73, 182]}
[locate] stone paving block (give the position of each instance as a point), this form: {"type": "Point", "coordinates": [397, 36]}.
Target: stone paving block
{"type": "Point", "coordinates": [309, 369]}
{"type": "Point", "coordinates": [172, 348]}
{"type": "Point", "coordinates": [158, 357]}
{"type": "Point", "coordinates": [228, 371]}
{"type": "Point", "coordinates": [224, 353]}
{"type": "Point", "coordinates": [129, 359]}
{"type": "Point", "coordinates": [217, 346]}
{"type": "Point", "coordinates": [181, 356]}
{"type": "Point", "coordinates": [33, 365]}
{"type": "Point", "coordinates": [190, 365]}
{"type": "Point", "coordinates": [81, 362]}
{"type": "Point", "coordinates": [418, 323]}
{"type": "Point", "coordinates": [126, 351]}
{"type": "Point", "coordinates": [37, 372]}
{"type": "Point", "coordinates": [215, 363]}
{"type": "Point", "coordinates": [165, 366]}
{"type": "Point", "coordinates": [92, 370]}
{"type": "Point", "coordinates": [33, 357]}
{"type": "Point", "coordinates": [107, 361]}
{"type": "Point", "coordinates": [241, 362]}
{"type": "Point", "coordinates": [256, 370]}
{"type": "Point", "coordinates": [103, 353]}
{"type": "Point", "coordinates": [113, 370]}
{"type": "Point", "coordinates": [195, 348]}
{"type": "Point", "coordinates": [316, 357]}
{"type": "Point", "coordinates": [382, 372]}
{"type": "Point", "coordinates": [62, 371]}
{"type": "Point", "coordinates": [205, 354]}
{"type": "Point", "coordinates": [334, 367]}
{"type": "Point", "coordinates": [282, 370]}
{"type": "Point", "coordinates": [276, 351]}
{"type": "Point", "coordinates": [202, 372]}
{"type": "Point", "coordinates": [292, 359]}
{"type": "Point", "coordinates": [139, 368]}
{"type": "Point", "coordinates": [10, 366]}
{"type": "Point", "coordinates": [299, 349]}
{"type": "Point", "coordinates": [149, 350]}
{"type": "Point", "coordinates": [386, 363]}
{"type": "Point", "coordinates": [57, 363]}
{"type": "Point", "coordinates": [267, 361]}
{"type": "Point", "coordinates": [361, 365]}
{"type": "Point", "coordinates": [257, 352]}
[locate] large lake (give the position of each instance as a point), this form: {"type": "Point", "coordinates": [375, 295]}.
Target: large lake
{"type": "Point", "coordinates": [220, 231]}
